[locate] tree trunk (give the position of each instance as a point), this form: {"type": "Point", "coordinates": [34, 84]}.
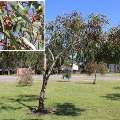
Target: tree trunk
{"type": "Point", "coordinates": [94, 82]}
{"type": "Point", "coordinates": [8, 72]}
{"type": "Point", "coordinates": [46, 75]}
{"type": "Point", "coordinates": [42, 93]}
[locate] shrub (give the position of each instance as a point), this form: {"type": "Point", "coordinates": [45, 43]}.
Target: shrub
{"type": "Point", "coordinates": [25, 78]}
{"type": "Point", "coordinates": [66, 73]}
{"type": "Point", "coordinates": [93, 67]}
{"type": "Point", "coordinates": [102, 68]}
{"type": "Point", "coordinates": [90, 67]}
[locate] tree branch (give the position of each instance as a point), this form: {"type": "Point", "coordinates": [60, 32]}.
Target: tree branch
{"type": "Point", "coordinates": [51, 67]}
{"type": "Point", "coordinates": [62, 51]}
{"type": "Point", "coordinates": [51, 54]}
{"type": "Point", "coordinates": [5, 34]}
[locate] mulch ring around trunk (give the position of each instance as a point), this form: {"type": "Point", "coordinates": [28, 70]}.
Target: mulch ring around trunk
{"type": "Point", "coordinates": [43, 112]}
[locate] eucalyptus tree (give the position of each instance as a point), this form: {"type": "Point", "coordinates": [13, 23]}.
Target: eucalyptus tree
{"type": "Point", "coordinates": [21, 25]}
{"type": "Point", "coordinates": [93, 68]}
{"type": "Point", "coordinates": [62, 35]}
{"type": "Point", "coordinates": [71, 35]}
{"type": "Point", "coordinates": [7, 60]}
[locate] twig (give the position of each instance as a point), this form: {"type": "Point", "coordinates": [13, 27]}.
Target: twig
{"type": "Point", "coordinates": [5, 34]}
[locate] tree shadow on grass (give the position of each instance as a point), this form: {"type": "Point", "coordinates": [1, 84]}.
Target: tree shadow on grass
{"type": "Point", "coordinates": [21, 99]}
{"type": "Point", "coordinates": [85, 82]}
{"type": "Point", "coordinates": [26, 98]}
{"type": "Point", "coordinates": [23, 104]}
{"type": "Point", "coordinates": [68, 109]}
{"type": "Point", "coordinates": [115, 96]}
{"type": "Point", "coordinates": [6, 107]}
{"type": "Point", "coordinates": [63, 81]}
{"type": "Point", "coordinates": [118, 87]}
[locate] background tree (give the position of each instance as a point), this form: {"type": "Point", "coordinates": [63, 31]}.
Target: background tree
{"type": "Point", "coordinates": [16, 59]}
{"type": "Point", "coordinates": [66, 73]}
{"type": "Point", "coordinates": [93, 68]}
{"type": "Point", "coordinates": [110, 50]}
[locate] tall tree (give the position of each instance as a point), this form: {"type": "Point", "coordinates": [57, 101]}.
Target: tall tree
{"type": "Point", "coordinates": [62, 35]}
{"type": "Point", "coordinates": [110, 50]}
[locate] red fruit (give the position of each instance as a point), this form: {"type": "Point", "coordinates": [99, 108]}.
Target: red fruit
{"type": "Point", "coordinates": [8, 24]}
{"type": "Point", "coordinates": [2, 4]}
{"type": "Point", "coordinates": [42, 37]}
{"type": "Point", "coordinates": [1, 44]}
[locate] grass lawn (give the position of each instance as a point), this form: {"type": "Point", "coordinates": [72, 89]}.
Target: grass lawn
{"type": "Point", "coordinates": [76, 100]}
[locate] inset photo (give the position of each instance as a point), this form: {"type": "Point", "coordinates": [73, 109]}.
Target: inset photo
{"type": "Point", "coordinates": [22, 25]}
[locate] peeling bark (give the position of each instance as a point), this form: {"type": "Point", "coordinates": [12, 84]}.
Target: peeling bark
{"type": "Point", "coordinates": [46, 76]}
{"type": "Point", "coordinates": [42, 93]}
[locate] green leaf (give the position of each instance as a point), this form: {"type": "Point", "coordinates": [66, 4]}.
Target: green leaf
{"type": "Point", "coordinates": [2, 22]}
{"type": "Point", "coordinates": [16, 19]}
{"type": "Point", "coordinates": [37, 16]}
{"type": "Point", "coordinates": [81, 53]}
{"type": "Point", "coordinates": [20, 13]}
{"type": "Point", "coordinates": [37, 24]}
{"type": "Point", "coordinates": [14, 42]}
{"type": "Point", "coordinates": [34, 33]}
{"type": "Point", "coordinates": [25, 11]}
{"type": "Point", "coordinates": [18, 28]}
{"type": "Point", "coordinates": [39, 9]}
{"type": "Point", "coordinates": [38, 45]}
{"type": "Point", "coordinates": [28, 37]}
{"type": "Point", "coordinates": [26, 30]}
{"type": "Point", "coordinates": [1, 12]}
{"type": "Point", "coordinates": [22, 8]}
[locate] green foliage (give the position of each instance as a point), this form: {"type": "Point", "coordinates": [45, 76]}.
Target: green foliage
{"type": "Point", "coordinates": [67, 73]}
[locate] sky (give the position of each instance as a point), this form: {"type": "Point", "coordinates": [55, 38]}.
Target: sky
{"type": "Point", "coordinates": [109, 7]}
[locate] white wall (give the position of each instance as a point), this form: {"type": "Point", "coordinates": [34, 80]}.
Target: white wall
{"type": "Point", "coordinates": [75, 67]}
